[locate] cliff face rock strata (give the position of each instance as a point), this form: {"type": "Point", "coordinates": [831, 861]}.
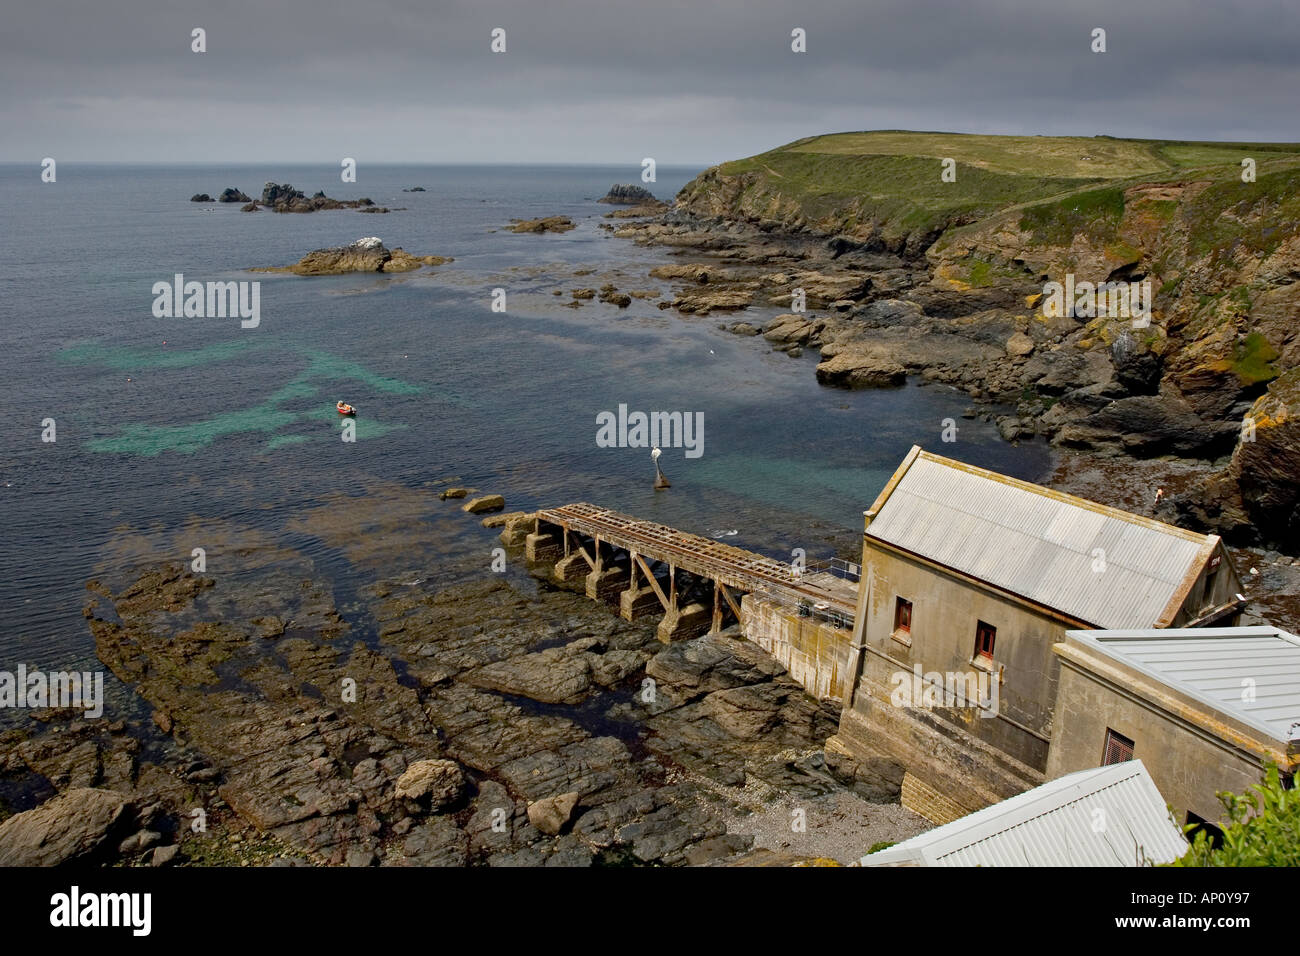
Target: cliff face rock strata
{"type": "Point", "coordinates": [947, 280]}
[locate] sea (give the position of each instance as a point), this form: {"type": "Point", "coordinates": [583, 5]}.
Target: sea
{"type": "Point", "coordinates": [176, 434]}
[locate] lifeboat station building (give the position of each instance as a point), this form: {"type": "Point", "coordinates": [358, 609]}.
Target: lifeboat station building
{"type": "Point", "coordinates": [969, 582]}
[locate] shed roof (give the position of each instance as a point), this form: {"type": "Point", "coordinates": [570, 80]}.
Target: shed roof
{"type": "Point", "coordinates": [1041, 544]}
{"type": "Point", "coordinates": [1251, 674]}
{"type": "Point", "coordinates": [1108, 816]}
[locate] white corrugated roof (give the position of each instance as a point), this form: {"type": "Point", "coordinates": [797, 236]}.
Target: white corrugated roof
{"type": "Point", "coordinates": [1109, 816]}
{"type": "Point", "coordinates": [1251, 674]}
{"type": "Point", "coordinates": [1038, 543]}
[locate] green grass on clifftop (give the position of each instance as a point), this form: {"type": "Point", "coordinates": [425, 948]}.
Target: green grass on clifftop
{"type": "Point", "coordinates": [892, 180]}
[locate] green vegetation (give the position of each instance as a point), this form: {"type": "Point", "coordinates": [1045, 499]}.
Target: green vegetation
{"type": "Point", "coordinates": [1252, 360]}
{"type": "Point", "coordinates": [882, 845]}
{"type": "Point", "coordinates": [1263, 828]}
{"type": "Point", "coordinates": [1215, 217]}
{"type": "Point", "coordinates": [1096, 213]}
{"type": "Point", "coordinates": [890, 180]}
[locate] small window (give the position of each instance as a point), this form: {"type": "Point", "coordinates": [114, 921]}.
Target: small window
{"type": "Point", "coordinates": [902, 616]}
{"type": "Point", "coordinates": [985, 635]}
{"type": "Point", "coordinates": [1118, 749]}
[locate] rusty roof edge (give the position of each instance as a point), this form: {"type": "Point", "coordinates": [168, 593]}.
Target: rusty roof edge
{"type": "Point", "coordinates": [894, 479]}
{"type": "Point", "coordinates": [1252, 737]}
{"type": "Point", "coordinates": [1150, 524]}
{"type": "Point", "coordinates": [1179, 597]}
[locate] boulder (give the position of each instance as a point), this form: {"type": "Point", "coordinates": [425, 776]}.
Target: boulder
{"type": "Point", "coordinates": [789, 329]}
{"type": "Point", "coordinates": [484, 504]}
{"type": "Point", "coordinates": [435, 784]}
{"type": "Point", "coordinates": [201, 197]}
{"type": "Point", "coordinates": [74, 825]}
{"type": "Point", "coordinates": [702, 303]}
{"type": "Point", "coordinates": [454, 493]}
{"type": "Point", "coordinates": [1019, 345]}
{"type": "Point", "coordinates": [231, 194]}
{"type": "Point", "coordinates": [1149, 425]}
{"type": "Point", "coordinates": [552, 814]}
{"type": "Point", "coordinates": [855, 368]}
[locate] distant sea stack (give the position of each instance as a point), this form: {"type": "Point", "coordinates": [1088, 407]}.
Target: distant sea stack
{"type": "Point", "coordinates": [365, 255]}
{"type": "Point", "coordinates": [628, 194]}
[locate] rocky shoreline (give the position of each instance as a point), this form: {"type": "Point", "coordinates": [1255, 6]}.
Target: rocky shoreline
{"type": "Point", "coordinates": [482, 722]}
{"type": "Point", "coordinates": [880, 314]}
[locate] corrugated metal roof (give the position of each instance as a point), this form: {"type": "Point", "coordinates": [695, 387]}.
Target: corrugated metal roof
{"type": "Point", "coordinates": [1217, 666]}
{"type": "Point", "coordinates": [1037, 543]}
{"type": "Point", "coordinates": [1109, 816]}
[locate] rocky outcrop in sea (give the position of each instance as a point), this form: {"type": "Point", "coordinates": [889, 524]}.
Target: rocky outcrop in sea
{"type": "Point", "coordinates": [628, 194]}
{"type": "Point", "coordinates": [284, 198]}
{"type": "Point", "coordinates": [364, 255]}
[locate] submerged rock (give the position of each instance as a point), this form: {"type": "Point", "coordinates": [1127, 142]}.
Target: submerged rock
{"type": "Point", "coordinates": [547, 224]}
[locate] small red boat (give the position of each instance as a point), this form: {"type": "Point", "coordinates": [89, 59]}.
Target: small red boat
{"type": "Point", "coordinates": [344, 408]}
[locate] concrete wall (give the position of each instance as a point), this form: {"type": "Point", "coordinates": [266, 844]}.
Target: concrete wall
{"type": "Point", "coordinates": [1188, 761]}
{"type": "Point", "coordinates": [972, 760]}
{"type": "Point", "coordinates": [815, 653]}
{"type": "Point", "coordinates": [945, 609]}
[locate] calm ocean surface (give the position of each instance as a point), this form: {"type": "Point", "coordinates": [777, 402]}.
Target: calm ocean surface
{"type": "Point", "coordinates": [224, 428]}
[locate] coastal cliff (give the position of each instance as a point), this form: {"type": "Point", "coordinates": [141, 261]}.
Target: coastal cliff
{"type": "Point", "coordinates": [932, 254]}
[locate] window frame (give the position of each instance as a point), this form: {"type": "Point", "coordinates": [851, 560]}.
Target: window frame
{"type": "Point", "coordinates": [983, 629]}
{"type": "Point", "coordinates": [1121, 742]}
{"type": "Point", "coordinates": [902, 607]}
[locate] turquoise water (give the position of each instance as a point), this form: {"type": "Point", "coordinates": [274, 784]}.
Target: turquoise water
{"type": "Point", "coordinates": [223, 429]}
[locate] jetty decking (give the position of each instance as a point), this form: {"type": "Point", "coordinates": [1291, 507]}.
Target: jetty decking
{"type": "Point", "coordinates": [560, 531]}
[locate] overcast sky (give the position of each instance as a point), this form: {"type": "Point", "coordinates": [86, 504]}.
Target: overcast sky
{"type": "Point", "coordinates": [690, 82]}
